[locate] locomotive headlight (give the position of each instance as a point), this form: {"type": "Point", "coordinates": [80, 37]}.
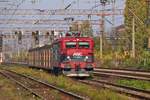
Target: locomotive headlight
{"type": "Point", "coordinates": [68, 57]}
{"type": "Point", "coordinates": [86, 58]}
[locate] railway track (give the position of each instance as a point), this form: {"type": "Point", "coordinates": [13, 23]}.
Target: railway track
{"type": "Point", "coordinates": [125, 69]}
{"type": "Point", "coordinates": [39, 88]}
{"type": "Point", "coordinates": [137, 93]}
{"type": "Point", "coordinates": [130, 74]}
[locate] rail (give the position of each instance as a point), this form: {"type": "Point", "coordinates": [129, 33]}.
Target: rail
{"type": "Point", "coordinates": [138, 93]}
{"type": "Point", "coordinates": [38, 87]}
{"type": "Point", "coordinates": [131, 74]}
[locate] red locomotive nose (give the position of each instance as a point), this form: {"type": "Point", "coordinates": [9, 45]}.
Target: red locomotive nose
{"type": "Point", "coordinates": [77, 67]}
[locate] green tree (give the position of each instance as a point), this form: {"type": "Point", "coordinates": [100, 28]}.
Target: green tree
{"type": "Point", "coordinates": [84, 27]}
{"type": "Point", "coordinates": [137, 7]}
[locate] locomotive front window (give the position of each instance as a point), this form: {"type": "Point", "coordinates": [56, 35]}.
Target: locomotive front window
{"type": "Point", "coordinates": [71, 44]}
{"type": "Point", "coordinates": [84, 45]}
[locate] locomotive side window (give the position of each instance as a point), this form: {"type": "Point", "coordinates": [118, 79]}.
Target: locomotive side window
{"type": "Point", "coordinates": [84, 45]}
{"type": "Point", "coordinates": [71, 44]}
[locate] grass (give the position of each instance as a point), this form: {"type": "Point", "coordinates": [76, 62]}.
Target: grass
{"type": "Point", "coordinates": [145, 85]}
{"type": "Point", "coordinates": [10, 91]}
{"type": "Point", "coordinates": [71, 85]}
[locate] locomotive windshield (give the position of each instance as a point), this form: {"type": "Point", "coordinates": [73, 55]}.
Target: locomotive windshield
{"type": "Point", "coordinates": [81, 45]}
{"type": "Point", "coordinates": [71, 44]}
{"type": "Point", "coordinates": [84, 45]}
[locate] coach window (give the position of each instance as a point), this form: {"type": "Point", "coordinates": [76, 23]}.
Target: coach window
{"type": "Point", "coordinates": [84, 45]}
{"type": "Point", "coordinates": [71, 44]}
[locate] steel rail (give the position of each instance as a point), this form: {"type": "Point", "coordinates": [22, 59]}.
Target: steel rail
{"type": "Point", "coordinates": [51, 86]}
{"type": "Point", "coordinates": [125, 70]}
{"type": "Point", "coordinates": [123, 74]}
{"type": "Point", "coordinates": [138, 93]}
{"type": "Point", "coordinates": [20, 84]}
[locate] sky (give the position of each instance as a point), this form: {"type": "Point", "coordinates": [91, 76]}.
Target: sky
{"type": "Point", "coordinates": [57, 4]}
{"type": "Point", "coordinates": [61, 4]}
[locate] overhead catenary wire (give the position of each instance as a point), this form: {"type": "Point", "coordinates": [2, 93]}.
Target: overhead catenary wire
{"type": "Point", "coordinates": [17, 6]}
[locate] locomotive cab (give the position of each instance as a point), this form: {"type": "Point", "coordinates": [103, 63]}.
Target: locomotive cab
{"type": "Point", "coordinates": [77, 56]}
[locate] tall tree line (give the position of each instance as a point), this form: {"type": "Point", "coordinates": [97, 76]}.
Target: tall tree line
{"type": "Point", "coordinates": [136, 9]}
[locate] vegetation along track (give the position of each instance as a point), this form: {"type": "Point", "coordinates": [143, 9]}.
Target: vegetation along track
{"type": "Point", "coordinates": [138, 93]}
{"type": "Point", "coordinates": [39, 88]}
{"type": "Point", "coordinates": [130, 74]}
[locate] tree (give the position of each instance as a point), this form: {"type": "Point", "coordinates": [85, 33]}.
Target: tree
{"type": "Point", "coordinates": [138, 10]}
{"type": "Point", "coordinates": [84, 27]}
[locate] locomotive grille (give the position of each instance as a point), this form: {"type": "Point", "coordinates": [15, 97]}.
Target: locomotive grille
{"type": "Point", "coordinates": [77, 68]}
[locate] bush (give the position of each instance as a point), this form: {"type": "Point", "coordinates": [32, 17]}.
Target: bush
{"type": "Point", "coordinates": [118, 59]}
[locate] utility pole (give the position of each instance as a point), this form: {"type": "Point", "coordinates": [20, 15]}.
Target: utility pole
{"type": "Point", "coordinates": [1, 43]}
{"type": "Point", "coordinates": [103, 2]}
{"type": "Point", "coordinates": [133, 31]}
{"type": "Point", "coordinates": [1, 48]}
{"type": "Point", "coordinates": [148, 12]}
{"type": "Point", "coordinates": [133, 37]}
{"type": "Point", "coordinates": [113, 33]}
{"type": "Point", "coordinates": [79, 26]}
{"type": "Point", "coordinates": [113, 16]}
{"type": "Point", "coordinates": [101, 46]}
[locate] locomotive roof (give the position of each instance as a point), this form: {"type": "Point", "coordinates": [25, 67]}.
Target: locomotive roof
{"type": "Point", "coordinates": [73, 38]}
{"type": "Point", "coordinates": [62, 39]}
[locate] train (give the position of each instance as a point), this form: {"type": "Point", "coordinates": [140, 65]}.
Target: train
{"type": "Point", "coordinates": [69, 55]}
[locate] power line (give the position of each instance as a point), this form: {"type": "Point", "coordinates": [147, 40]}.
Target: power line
{"type": "Point", "coordinates": [17, 6]}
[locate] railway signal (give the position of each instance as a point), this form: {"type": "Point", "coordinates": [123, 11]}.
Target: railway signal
{"type": "Point", "coordinates": [52, 32]}
{"type": "Point", "coordinates": [52, 36]}
{"type": "Point", "coordinates": [103, 1]}
{"type": "Point", "coordinates": [36, 36]}
{"type": "Point", "coordinates": [19, 35]}
{"type": "Point", "coordinates": [47, 34]}
{"type": "Point", "coordinates": [1, 42]}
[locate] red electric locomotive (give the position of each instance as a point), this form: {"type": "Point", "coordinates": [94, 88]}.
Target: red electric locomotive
{"type": "Point", "coordinates": [72, 56]}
